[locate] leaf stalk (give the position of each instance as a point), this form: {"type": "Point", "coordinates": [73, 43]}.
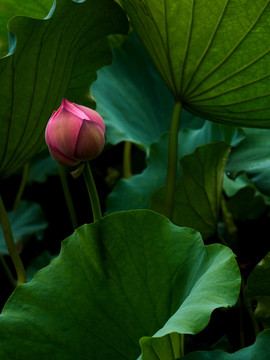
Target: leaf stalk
{"type": "Point", "coordinates": [10, 243]}
{"type": "Point", "coordinates": [172, 161]}
{"type": "Point", "coordinates": [92, 191]}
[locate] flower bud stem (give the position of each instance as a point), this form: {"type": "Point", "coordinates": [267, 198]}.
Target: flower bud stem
{"type": "Point", "coordinates": [25, 175]}
{"type": "Point", "coordinates": [127, 160]}
{"type": "Point", "coordinates": [12, 249]}
{"type": "Point", "coordinates": [177, 343]}
{"type": "Point", "coordinates": [172, 161]}
{"type": "Point", "coordinates": [68, 198]}
{"type": "Point", "coordinates": [92, 191]}
{"type": "Point", "coordinates": [5, 267]}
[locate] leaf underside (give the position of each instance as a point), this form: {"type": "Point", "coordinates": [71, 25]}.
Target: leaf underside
{"type": "Point", "coordinates": [213, 55]}
{"type": "Point", "coordinates": [50, 59]}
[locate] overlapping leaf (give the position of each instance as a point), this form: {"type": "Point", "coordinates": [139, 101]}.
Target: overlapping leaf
{"type": "Point", "coordinates": [135, 193]}
{"type": "Point", "coordinates": [132, 98]}
{"type": "Point", "coordinates": [258, 281]}
{"type": "Point", "coordinates": [27, 221]}
{"type": "Point", "coordinates": [132, 274]}
{"type": "Point", "coordinates": [10, 8]}
{"type": "Point", "coordinates": [53, 58]}
{"type": "Point", "coordinates": [258, 287]}
{"type": "Point", "coordinates": [244, 200]}
{"type": "Point", "coordinates": [214, 56]}
{"type": "Point", "coordinates": [198, 191]}
{"type": "Point", "coordinates": [253, 157]}
{"type": "Point", "coordinates": [259, 350]}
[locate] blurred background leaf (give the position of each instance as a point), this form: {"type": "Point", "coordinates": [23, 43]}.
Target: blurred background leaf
{"type": "Point", "coordinates": [259, 350]}
{"type": "Point", "coordinates": [135, 193]}
{"type": "Point", "coordinates": [244, 200]}
{"type": "Point", "coordinates": [253, 157]}
{"type": "Point", "coordinates": [131, 97]}
{"type": "Point", "coordinates": [27, 221]}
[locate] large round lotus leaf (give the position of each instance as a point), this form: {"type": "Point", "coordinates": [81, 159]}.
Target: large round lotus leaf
{"type": "Point", "coordinates": [212, 54]}
{"type": "Point", "coordinates": [50, 59]}
{"type": "Point", "coordinates": [129, 275]}
{"type": "Point", "coordinates": [131, 96]}
{"type": "Point", "coordinates": [10, 8]}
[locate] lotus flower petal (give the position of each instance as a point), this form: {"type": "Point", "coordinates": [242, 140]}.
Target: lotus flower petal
{"type": "Point", "coordinates": [90, 141]}
{"type": "Point", "coordinates": [74, 133]}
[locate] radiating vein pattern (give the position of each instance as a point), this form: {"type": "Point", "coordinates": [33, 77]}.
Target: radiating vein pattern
{"type": "Point", "coordinates": [232, 83]}
{"type": "Point", "coordinates": [216, 52]}
{"type": "Point", "coordinates": [48, 56]}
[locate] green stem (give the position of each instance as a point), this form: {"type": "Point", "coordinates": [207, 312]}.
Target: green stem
{"type": "Point", "coordinates": [177, 343]}
{"type": "Point", "coordinates": [68, 198]}
{"type": "Point", "coordinates": [8, 272]}
{"type": "Point", "coordinates": [127, 160]}
{"type": "Point", "coordinates": [12, 249]}
{"type": "Point", "coordinates": [22, 186]}
{"type": "Point", "coordinates": [172, 161]}
{"type": "Point", "coordinates": [92, 191]}
{"type": "Point", "coordinates": [245, 304]}
{"type": "Point", "coordinates": [182, 345]}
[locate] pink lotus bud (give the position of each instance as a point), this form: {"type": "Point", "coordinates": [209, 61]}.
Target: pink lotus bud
{"type": "Point", "coordinates": [74, 133]}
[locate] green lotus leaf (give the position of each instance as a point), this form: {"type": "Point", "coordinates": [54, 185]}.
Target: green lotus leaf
{"type": "Point", "coordinates": [213, 55]}
{"type": "Point", "coordinates": [244, 200]}
{"type": "Point", "coordinates": [259, 350]}
{"type": "Point", "coordinates": [10, 8]}
{"type": "Point", "coordinates": [27, 221]}
{"type": "Point", "coordinates": [135, 193]}
{"type": "Point", "coordinates": [252, 157]}
{"type": "Point", "coordinates": [50, 59]}
{"type": "Point", "coordinates": [130, 275]}
{"type": "Point", "coordinates": [258, 287]}
{"type": "Point", "coordinates": [258, 281]}
{"type": "Point", "coordinates": [38, 263]}
{"type": "Point", "coordinates": [198, 191]}
{"type": "Point", "coordinates": [131, 97]}
{"type": "Point", "coordinates": [41, 167]}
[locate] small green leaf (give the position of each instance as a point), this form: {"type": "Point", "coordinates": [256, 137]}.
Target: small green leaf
{"type": "Point", "coordinates": [42, 165]}
{"type": "Point", "coordinates": [244, 201]}
{"type": "Point", "coordinates": [259, 350]}
{"type": "Point", "coordinates": [258, 287]}
{"type": "Point", "coordinates": [165, 348]}
{"type": "Point", "coordinates": [258, 281]}
{"type": "Point", "coordinates": [252, 157]}
{"type": "Point", "coordinates": [262, 311]}
{"type": "Point", "coordinates": [213, 56]}
{"type": "Point", "coordinates": [27, 221]}
{"type": "Point", "coordinates": [129, 275]}
{"type": "Point", "coordinates": [198, 192]}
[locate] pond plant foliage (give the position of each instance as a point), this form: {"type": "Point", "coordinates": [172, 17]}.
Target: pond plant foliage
{"type": "Point", "coordinates": [186, 85]}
